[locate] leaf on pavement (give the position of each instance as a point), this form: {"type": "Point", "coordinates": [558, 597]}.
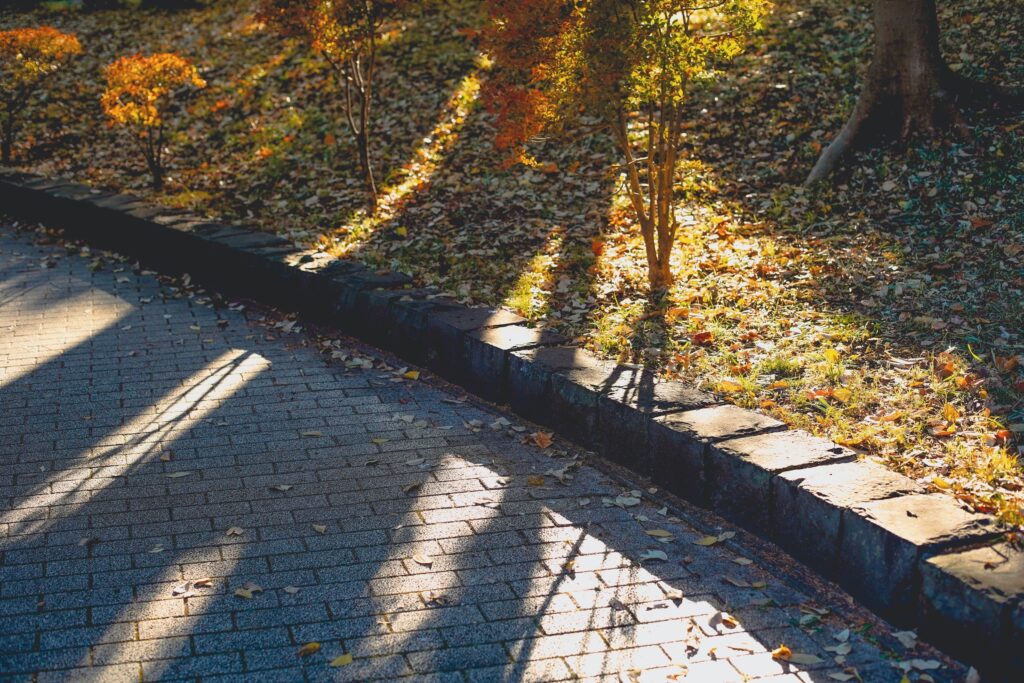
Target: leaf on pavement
{"type": "Point", "coordinates": [342, 660]}
{"type": "Point", "coordinates": [308, 649]}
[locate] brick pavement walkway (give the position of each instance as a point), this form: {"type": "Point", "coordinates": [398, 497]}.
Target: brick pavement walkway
{"type": "Point", "coordinates": [186, 493]}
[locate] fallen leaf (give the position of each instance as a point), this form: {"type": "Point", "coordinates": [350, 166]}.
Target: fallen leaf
{"type": "Point", "coordinates": [728, 386]}
{"type": "Point", "coordinates": [203, 583]}
{"type": "Point", "coordinates": [653, 555]}
{"type": "Point", "coordinates": [838, 676]}
{"type": "Point", "coordinates": [804, 658]}
{"type": "Point", "coordinates": [312, 433]}
{"type": "Point", "coordinates": [410, 488]}
{"type": "Point", "coordinates": [659, 533]}
{"type": "Point", "coordinates": [235, 531]}
{"type": "Point", "coordinates": [178, 475]}
{"type": "Point", "coordinates": [782, 653]}
{"type": "Point", "coordinates": [243, 593]}
{"type": "Point", "coordinates": [308, 649]}
{"type": "Point", "coordinates": [706, 540]}
{"type": "Point", "coordinates": [535, 480]}
{"type": "Point", "coordinates": [742, 561]}
{"type": "Point", "coordinates": [281, 487]}
{"type": "Point", "coordinates": [425, 560]}
{"type": "Point", "coordinates": [342, 660]}
{"type": "Point", "coordinates": [156, 549]}
{"type": "Point", "coordinates": [908, 639]}
{"type": "Point", "coordinates": [320, 528]}
{"type": "Point", "coordinates": [542, 439]}
{"type": "Point", "coordinates": [88, 541]}
{"type": "Point", "coordinates": [412, 374]}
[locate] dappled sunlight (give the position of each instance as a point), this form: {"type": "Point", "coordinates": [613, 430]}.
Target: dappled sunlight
{"type": "Point", "coordinates": [417, 172]}
{"type": "Point", "coordinates": [138, 442]}
{"type": "Point", "coordinates": [59, 327]}
{"type": "Point", "coordinates": [166, 612]}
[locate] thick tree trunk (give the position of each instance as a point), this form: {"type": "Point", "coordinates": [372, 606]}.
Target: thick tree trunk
{"type": "Point", "coordinates": [908, 89]}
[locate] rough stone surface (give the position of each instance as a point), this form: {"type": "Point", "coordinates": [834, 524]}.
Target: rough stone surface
{"type": "Point", "coordinates": [634, 397]}
{"type": "Point", "coordinates": [807, 506]}
{"type": "Point", "coordinates": [738, 472]}
{"type": "Point", "coordinates": [102, 373]}
{"type": "Point", "coordinates": [486, 356]}
{"type": "Point", "coordinates": [575, 393]}
{"type": "Point", "coordinates": [529, 377]}
{"type": "Point", "coordinates": [443, 342]}
{"type": "Point", "coordinates": [968, 599]}
{"type": "Point", "coordinates": [883, 542]}
{"type": "Point", "coordinates": [678, 442]}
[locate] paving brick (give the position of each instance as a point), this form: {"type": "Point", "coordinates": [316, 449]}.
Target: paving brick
{"type": "Point", "coordinates": [495, 603]}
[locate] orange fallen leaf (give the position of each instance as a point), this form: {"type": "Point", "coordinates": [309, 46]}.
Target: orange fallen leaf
{"type": "Point", "coordinates": [542, 439]}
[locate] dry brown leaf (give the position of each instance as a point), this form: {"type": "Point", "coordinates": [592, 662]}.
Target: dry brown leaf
{"type": "Point", "coordinates": [542, 439]}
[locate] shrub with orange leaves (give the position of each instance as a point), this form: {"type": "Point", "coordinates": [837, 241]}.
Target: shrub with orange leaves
{"type": "Point", "coordinates": [27, 57]}
{"type": "Point", "coordinates": [346, 33]}
{"type": "Point", "coordinates": [140, 92]}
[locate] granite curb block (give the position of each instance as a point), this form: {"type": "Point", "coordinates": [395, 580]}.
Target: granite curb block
{"type": "Point", "coordinates": [916, 558]}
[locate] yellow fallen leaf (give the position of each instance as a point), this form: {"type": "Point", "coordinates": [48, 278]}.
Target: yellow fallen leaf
{"type": "Point", "coordinates": [707, 540]}
{"type": "Point", "coordinates": [831, 355]}
{"type": "Point", "coordinates": [782, 653]}
{"type": "Point", "coordinates": [779, 384]}
{"type": "Point", "coordinates": [342, 660]}
{"type": "Point", "coordinates": [950, 412]}
{"type": "Point", "coordinates": [308, 649]}
{"type": "Point", "coordinates": [842, 394]}
{"type": "Point", "coordinates": [402, 231]}
{"type": "Point", "coordinates": [535, 480]}
{"type": "Point", "coordinates": [311, 433]}
{"type": "Point", "coordinates": [412, 374]}
{"type": "Point", "coordinates": [659, 533]}
{"type": "Point", "coordinates": [728, 386]}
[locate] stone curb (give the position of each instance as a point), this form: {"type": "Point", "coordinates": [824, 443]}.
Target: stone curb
{"type": "Point", "coordinates": [905, 553]}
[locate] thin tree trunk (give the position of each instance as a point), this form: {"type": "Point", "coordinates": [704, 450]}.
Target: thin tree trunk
{"type": "Point", "coordinates": [908, 88]}
{"type": "Point", "coordinates": [7, 143]}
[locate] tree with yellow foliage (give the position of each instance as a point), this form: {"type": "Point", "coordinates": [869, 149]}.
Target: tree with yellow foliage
{"type": "Point", "coordinates": [139, 94]}
{"type": "Point", "coordinates": [629, 65]}
{"type": "Point", "coordinates": [28, 56]}
{"type": "Point", "coordinates": [346, 33]}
